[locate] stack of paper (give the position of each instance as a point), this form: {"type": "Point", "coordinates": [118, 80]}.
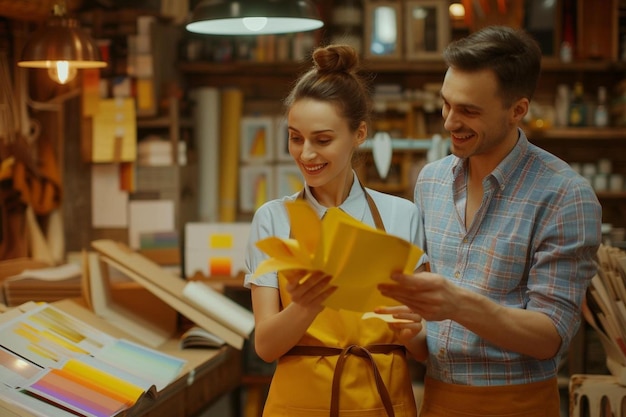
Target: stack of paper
{"type": "Point", "coordinates": [53, 364]}
{"type": "Point", "coordinates": [605, 307]}
{"type": "Point", "coordinates": [357, 256]}
{"type": "Point", "coordinates": [44, 284]}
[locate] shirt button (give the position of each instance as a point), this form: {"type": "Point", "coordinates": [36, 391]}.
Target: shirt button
{"type": "Point", "coordinates": [502, 187]}
{"type": "Point", "coordinates": [457, 274]}
{"type": "Point", "coordinates": [442, 353]}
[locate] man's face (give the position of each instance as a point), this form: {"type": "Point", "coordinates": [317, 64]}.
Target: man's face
{"type": "Point", "coordinates": [474, 114]}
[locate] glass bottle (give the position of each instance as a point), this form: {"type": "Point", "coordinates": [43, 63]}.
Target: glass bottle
{"type": "Point", "coordinates": [577, 107]}
{"type": "Point", "coordinates": [601, 114]}
{"type": "Point", "coordinates": [561, 105]}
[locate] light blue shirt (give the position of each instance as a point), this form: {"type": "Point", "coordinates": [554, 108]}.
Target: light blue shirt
{"type": "Point", "coordinates": [400, 218]}
{"type": "Point", "coordinates": [532, 245]}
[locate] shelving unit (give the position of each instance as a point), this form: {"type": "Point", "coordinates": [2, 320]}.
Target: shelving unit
{"type": "Point", "coordinates": [172, 122]}
{"type": "Point", "coordinates": [272, 81]}
{"type": "Point", "coordinates": [174, 181]}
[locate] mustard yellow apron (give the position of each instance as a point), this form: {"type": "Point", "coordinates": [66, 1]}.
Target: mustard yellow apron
{"type": "Point", "coordinates": [343, 366]}
{"type": "Point", "coordinates": [538, 399]}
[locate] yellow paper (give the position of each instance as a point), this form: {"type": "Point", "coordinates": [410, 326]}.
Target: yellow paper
{"type": "Point", "coordinates": [357, 256]}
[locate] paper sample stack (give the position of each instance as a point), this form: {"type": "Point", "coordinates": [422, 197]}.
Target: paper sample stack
{"type": "Point", "coordinates": [357, 256]}
{"type": "Point", "coordinates": [55, 365]}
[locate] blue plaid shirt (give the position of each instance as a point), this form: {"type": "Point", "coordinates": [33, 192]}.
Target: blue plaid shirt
{"type": "Point", "coordinates": [532, 245]}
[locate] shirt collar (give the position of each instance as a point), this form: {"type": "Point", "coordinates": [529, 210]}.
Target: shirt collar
{"type": "Point", "coordinates": [506, 167]}
{"type": "Point", "coordinates": [354, 205]}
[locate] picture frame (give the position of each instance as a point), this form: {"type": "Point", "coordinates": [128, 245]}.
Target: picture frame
{"type": "Point", "coordinates": [427, 29]}
{"type": "Point", "coordinates": [256, 186]}
{"type": "Point", "coordinates": [257, 139]}
{"type": "Point", "coordinates": [282, 139]}
{"type": "Point", "coordinates": [383, 30]}
{"type": "Point", "coordinates": [289, 180]}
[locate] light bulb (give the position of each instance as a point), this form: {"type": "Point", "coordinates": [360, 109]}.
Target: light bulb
{"type": "Point", "coordinates": [255, 24]}
{"type": "Point", "coordinates": [457, 10]}
{"type": "Point", "coordinates": [62, 72]}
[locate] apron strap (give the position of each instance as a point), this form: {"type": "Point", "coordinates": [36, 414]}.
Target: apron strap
{"type": "Point", "coordinates": [360, 351]}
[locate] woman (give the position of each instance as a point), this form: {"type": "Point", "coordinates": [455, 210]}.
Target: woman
{"type": "Point", "coordinates": [329, 361]}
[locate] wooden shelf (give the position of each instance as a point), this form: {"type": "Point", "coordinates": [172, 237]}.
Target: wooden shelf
{"type": "Point", "coordinates": [161, 122]}
{"type": "Point", "coordinates": [578, 133]}
{"type": "Point", "coordinates": [611, 195]}
{"type": "Point", "coordinates": [288, 68]}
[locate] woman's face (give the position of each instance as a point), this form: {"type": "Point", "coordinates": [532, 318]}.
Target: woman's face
{"type": "Point", "coordinates": [321, 143]}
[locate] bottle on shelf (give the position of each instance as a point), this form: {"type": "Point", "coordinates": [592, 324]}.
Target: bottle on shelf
{"type": "Point", "coordinates": [601, 114]}
{"type": "Point", "coordinates": [561, 105]}
{"type": "Point", "coordinates": [577, 107]}
{"type": "Point", "coordinates": [568, 42]}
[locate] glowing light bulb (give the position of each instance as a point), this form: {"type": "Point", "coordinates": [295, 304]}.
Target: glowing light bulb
{"type": "Point", "coordinates": [255, 24]}
{"type": "Point", "coordinates": [457, 10]}
{"type": "Point", "coordinates": [62, 72]}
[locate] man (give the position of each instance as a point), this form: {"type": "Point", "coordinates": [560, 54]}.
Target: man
{"type": "Point", "coordinates": [511, 233]}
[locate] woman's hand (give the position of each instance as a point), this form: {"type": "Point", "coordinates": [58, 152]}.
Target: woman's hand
{"type": "Point", "coordinates": [309, 289]}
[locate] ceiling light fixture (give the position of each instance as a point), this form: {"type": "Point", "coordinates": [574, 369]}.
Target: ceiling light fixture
{"type": "Point", "coordinates": [254, 17]}
{"type": "Point", "coordinates": [61, 47]}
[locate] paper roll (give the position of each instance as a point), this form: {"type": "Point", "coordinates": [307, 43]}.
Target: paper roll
{"type": "Point", "coordinates": [219, 307]}
{"type": "Point", "coordinates": [207, 140]}
{"type": "Point", "coordinates": [232, 104]}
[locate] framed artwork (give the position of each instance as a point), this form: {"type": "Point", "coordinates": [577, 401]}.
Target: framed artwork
{"type": "Point", "coordinates": [427, 29]}
{"type": "Point", "coordinates": [257, 139]}
{"type": "Point", "coordinates": [256, 187]}
{"type": "Point", "coordinates": [383, 29]}
{"type": "Point", "coordinates": [282, 140]}
{"type": "Point", "coordinates": [288, 180]}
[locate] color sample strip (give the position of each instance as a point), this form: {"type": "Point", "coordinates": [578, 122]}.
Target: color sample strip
{"type": "Point", "coordinates": [150, 364]}
{"type": "Point", "coordinates": [113, 386]}
{"type": "Point", "coordinates": [56, 386]}
{"type": "Point", "coordinates": [69, 328]}
{"type": "Point", "coordinates": [220, 266]}
{"type": "Point", "coordinates": [221, 241]}
{"type": "Point", "coordinates": [54, 321]}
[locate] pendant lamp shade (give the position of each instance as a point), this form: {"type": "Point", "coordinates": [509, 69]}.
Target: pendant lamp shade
{"type": "Point", "coordinates": [254, 17]}
{"type": "Point", "coordinates": [61, 46]}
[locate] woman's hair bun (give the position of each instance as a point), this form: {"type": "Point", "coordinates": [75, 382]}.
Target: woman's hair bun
{"type": "Point", "coordinates": [336, 58]}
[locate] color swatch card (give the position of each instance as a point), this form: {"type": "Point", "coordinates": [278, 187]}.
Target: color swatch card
{"type": "Point", "coordinates": [215, 249]}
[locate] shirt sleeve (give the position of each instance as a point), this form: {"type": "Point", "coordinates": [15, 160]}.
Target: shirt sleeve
{"type": "Point", "coordinates": [263, 225]}
{"type": "Point", "coordinates": [565, 261]}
